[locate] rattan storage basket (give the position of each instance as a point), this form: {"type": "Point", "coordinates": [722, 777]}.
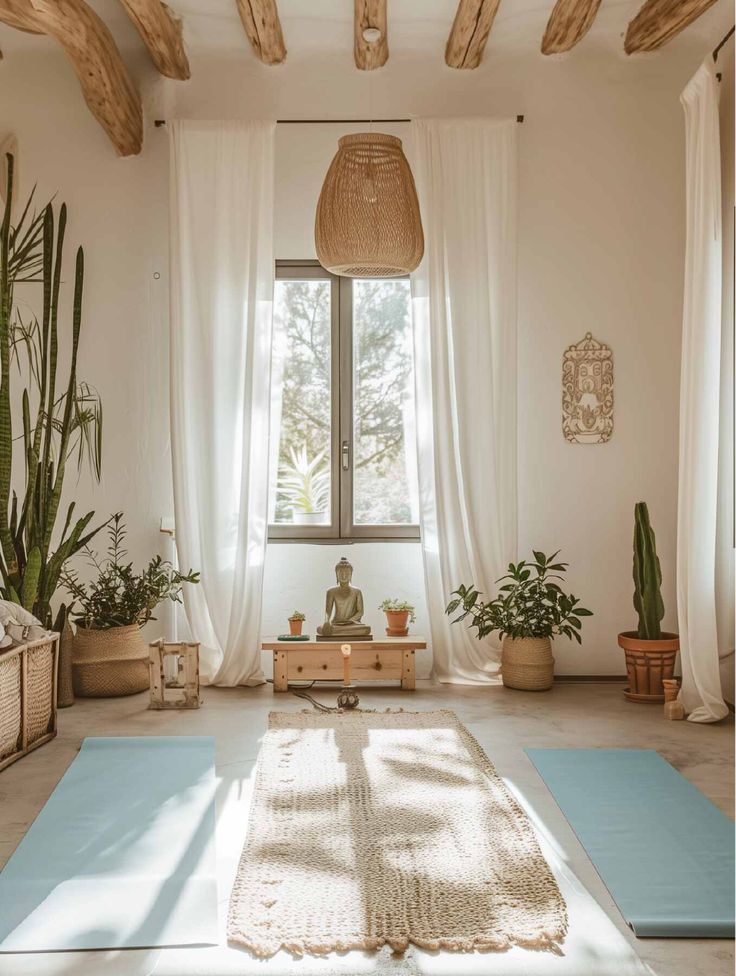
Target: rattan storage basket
{"type": "Point", "coordinates": [527, 663]}
{"type": "Point", "coordinates": [109, 663]}
{"type": "Point", "coordinates": [28, 683]}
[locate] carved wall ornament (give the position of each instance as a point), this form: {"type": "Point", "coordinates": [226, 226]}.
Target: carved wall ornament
{"type": "Point", "coordinates": [587, 392]}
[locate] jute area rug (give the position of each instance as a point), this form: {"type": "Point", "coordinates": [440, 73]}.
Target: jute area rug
{"type": "Point", "coordinates": [372, 829]}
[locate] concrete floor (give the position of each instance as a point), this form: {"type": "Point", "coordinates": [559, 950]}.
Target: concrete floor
{"type": "Point", "coordinates": [505, 722]}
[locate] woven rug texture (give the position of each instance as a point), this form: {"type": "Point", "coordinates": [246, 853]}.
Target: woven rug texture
{"type": "Point", "coordinates": [372, 829]}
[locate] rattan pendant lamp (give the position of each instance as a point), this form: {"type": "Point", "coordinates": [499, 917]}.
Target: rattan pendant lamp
{"type": "Point", "coordinates": [368, 223]}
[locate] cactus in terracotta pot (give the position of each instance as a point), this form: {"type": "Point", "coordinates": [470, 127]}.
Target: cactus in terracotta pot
{"type": "Point", "coordinates": [650, 652]}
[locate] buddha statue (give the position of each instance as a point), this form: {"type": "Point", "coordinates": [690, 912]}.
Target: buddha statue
{"type": "Point", "coordinates": [344, 609]}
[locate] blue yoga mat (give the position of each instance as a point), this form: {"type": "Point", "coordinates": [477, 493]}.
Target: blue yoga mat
{"type": "Point", "coordinates": [663, 850]}
{"type": "Point", "coordinates": [122, 854]}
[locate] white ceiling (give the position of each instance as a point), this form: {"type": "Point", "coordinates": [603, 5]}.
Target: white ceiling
{"type": "Point", "coordinates": [415, 26]}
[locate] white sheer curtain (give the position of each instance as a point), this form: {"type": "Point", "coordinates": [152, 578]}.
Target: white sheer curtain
{"type": "Point", "coordinates": [222, 262]}
{"type": "Point", "coordinates": [464, 311]}
{"type": "Point", "coordinates": [700, 404]}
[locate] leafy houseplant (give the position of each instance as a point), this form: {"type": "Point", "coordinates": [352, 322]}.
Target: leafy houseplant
{"type": "Point", "coordinates": [650, 652]}
{"type": "Point", "coordinates": [306, 485]}
{"type": "Point", "coordinates": [398, 614]}
{"type": "Point", "coordinates": [295, 623]}
{"type": "Point", "coordinates": [61, 418]}
{"type": "Point", "coordinates": [530, 609]}
{"type": "Point", "coordinates": [110, 655]}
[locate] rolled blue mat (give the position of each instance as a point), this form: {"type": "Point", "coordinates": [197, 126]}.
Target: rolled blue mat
{"type": "Point", "coordinates": [663, 850]}
{"type": "Point", "coordinates": [122, 855]}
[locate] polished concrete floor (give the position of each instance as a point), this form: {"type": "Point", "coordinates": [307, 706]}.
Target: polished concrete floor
{"type": "Point", "coordinates": [505, 722]}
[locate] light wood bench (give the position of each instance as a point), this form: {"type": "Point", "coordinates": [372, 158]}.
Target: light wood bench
{"type": "Point", "coordinates": [376, 660]}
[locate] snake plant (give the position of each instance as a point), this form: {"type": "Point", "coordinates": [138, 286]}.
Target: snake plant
{"type": "Point", "coordinates": [61, 417]}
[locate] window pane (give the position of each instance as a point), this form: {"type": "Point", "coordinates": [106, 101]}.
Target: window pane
{"type": "Point", "coordinates": [300, 405]}
{"type": "Point", "coordinates": [384, 442]}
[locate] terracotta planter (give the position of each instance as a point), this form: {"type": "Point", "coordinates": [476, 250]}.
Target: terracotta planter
{"type": "Point", "coordinates": [295, 627]}
{"type": "Point", "coordinates": [398, 623]}
{"type": "Point", "coordinates": [110, 663]}
{"type": "Point", "coordinates": [527, 663]}
{"type": "Point", "coordinates": [648, 664]}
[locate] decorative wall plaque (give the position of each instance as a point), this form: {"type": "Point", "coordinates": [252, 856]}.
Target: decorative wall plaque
{"type": "Point", "coordinates": [587, 392]}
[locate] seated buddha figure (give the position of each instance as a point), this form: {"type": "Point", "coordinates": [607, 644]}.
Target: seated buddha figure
{"type": "Point", "coordinates": [344, 609]}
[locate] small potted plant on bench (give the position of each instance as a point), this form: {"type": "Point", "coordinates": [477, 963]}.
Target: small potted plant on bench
{"type": "Point", "coordinates": [295, 623]}
{"type": "Point", "coordinates": [650, 651]}
{"type": "Point", "coordinates": [398, 615]}
{"type": "Point", "coordinates": [530, 609]}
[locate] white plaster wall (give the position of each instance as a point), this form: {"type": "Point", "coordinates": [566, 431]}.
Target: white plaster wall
{"type": "Point", "coordinates": [601, 249]}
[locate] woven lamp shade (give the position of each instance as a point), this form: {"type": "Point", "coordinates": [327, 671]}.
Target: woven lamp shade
{"type": "Point", "coordinates": [368, 223]}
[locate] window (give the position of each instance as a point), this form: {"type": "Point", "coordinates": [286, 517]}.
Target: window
{"type": "Point", "coordinates": [344, 466]}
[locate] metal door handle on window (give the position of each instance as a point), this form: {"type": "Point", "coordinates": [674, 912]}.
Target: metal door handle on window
{"type": "Point", "coordinates": [346, 455]}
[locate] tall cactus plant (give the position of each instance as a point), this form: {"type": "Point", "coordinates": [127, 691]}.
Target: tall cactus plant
{"type": "Point", "coordinates": [647, 576]}
{"type": "Point", "coordinates": [59, 422]}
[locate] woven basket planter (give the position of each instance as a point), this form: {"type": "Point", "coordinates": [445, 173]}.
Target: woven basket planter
{"type": "Point", "coordinates": [109, 663]}
{"type": "Point", "coordinates": [648, 664]}
{"type": "Point", "coordinates": [527, 663]}
{"type": "Point", "coordinates": [28, 684]}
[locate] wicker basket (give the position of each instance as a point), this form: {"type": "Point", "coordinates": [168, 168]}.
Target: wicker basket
{"type": "Point", "coordinates": [110, 663]}
{"type": "Point", "coordinates": [527, 663]}
{"type": "Point", "coordinates": [28, 686]}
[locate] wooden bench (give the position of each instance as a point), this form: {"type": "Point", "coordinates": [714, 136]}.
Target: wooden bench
{"type": "Point", "coordinates": [376, 660]}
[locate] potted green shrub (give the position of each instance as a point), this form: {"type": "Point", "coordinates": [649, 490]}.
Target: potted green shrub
{"type": "Point", "coordinates": [398, 614]}
{"type": "Point", "coordinates": [110, 657]}
{"type": "Point", "coordinates": [531, 608]}
{"type": "Point", "coordinates": [305, 485]}
{"type": "Point", "coordinates": [296, 621]}
{"type": "Point", "coordinates": [650, 651]}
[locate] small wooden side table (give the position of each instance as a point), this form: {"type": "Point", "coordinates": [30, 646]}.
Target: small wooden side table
{"type": "Point", "coordinates": [376, 660]}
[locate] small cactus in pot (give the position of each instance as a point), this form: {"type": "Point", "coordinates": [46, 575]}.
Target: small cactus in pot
{"type": "Point", "coordinates": [650, 651]}
{"type": "Point", "coordinates": [296, 621]}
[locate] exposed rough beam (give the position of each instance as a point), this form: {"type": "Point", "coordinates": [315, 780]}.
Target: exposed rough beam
{"type": "Point", "coordinates": [470, 30]}
{"type": "Point", "coordinates": [370, 15]}
{"type": "Point", "coordinates": [160, 31]}
{"type": "Point", "coordinates": [568, 23]}
{"type": "Point", "coordinates": [263, 27]}
{"type": "Point", "coordinates": [105, 82]}
{"type": "Point", "coordinates": [659, 21]}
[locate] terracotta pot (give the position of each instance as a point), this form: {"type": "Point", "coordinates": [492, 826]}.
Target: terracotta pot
{"type": "Point", "coordinates": [109, 663]}
{"type": "Point", "coordinates": [295, 627]}
{"type": "Point", "coordinates": [648, 664]}
{"type": "Point", "coordinates": [398, 623]}
{"type": "Point", "coordinates": [527, 663]}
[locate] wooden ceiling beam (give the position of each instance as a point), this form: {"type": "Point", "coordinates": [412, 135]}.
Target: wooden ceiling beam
{"type": "Point", "coordinates": [103, 77]}
{"type": "Point", "coordinates": [470, 30]}
{"type": "Point", "coordinates": [160, 31]}
{"type": "Point", "coordinates": [263, 27]}
{"type": "Point", "coordinates": [568, 23]}
{"type": "Point", "coordinates": [659, 21]}
{"type": "Point", "coordinates": [370, 15]}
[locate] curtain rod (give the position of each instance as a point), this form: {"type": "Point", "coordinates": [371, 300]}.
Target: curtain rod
{"type": "Point", "coordinates": [719, 46]}
{"type": "Point", "coordinates": [159, 122]}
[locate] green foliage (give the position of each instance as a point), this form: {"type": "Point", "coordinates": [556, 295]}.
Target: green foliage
{"type": "Point", "coordinates": [118, 596]}
{"type": "Point", "coordinates": [382, 361]}
{"type": "Point", "coordinates": [399, 605]}
{"type": "Point", "coordinates": [60, 421]}
{"type": "Point", "coordinates": [530, 604]}
{"type": "Point", "coordinates": [298, 615]}
{"type": "Point", "coordinates": [305, 484]}
{"type": "Point", "coordinates": [648, 601]}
